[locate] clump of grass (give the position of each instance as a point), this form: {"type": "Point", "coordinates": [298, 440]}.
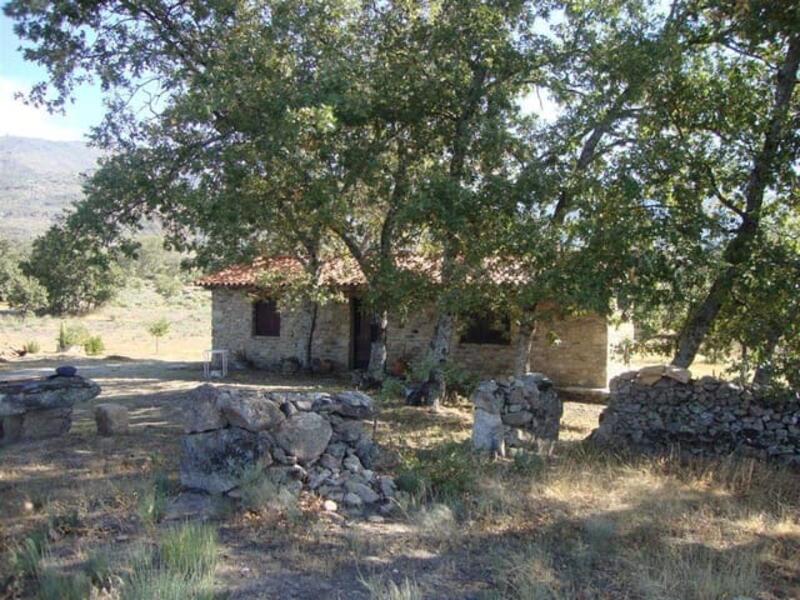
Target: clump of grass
{"type": "Point", "coordinates": [32, 347]}
{"type": "Point", "coordinates": [94, 346]}
{"type": "Point", "coordinates": [380, 589]}
{"type": "Point", "coordinates": [58, 586]}
{"type": "Point", "coordinates": [181, 567]}
{"type": "Point", "coordinates": [28, 557]}
{"type": "Point", "coordinates": [152, 500]}
{"type": "Point", "coordinates": [529, 573]}
{"type": "Point", "coordinates": [697, 572]}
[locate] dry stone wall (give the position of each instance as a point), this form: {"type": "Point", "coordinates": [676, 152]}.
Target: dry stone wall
{"type": "Point", "coordinates": [515, 412]}
{"type": "Point", "coordinates": [312, 441]}
{"type": "Point", "coordinates": [662, 408]}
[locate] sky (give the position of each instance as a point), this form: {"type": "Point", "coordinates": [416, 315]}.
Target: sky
{"type": "Point", "coordinates": [18, 119]}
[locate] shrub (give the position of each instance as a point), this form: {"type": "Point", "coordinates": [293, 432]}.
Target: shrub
{"type": "Point", "coordinates": [190, 550]}
{"type": "Point", "coordinates": [32, 347]}
{"type": "Point", "coordinates": [93, 346]}
{"type": "Point", "coordinates": [27, 557]}
{"type": "Point", "coordinates": [71, 335]}
{"type": "Point", "coordinates": [168, 286]}
{"type": "Point", "coordinates": [447, 472]}
{"type": "Point", "coordinates": [27, 295]}
{"type": "Point", "coordinates": [158, 329]}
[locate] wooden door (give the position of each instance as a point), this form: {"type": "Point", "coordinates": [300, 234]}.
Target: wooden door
{"type": "Point", "coordinates": [360, 337]}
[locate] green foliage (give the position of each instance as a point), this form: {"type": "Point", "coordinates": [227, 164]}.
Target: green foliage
{"type": "Point", "coordinates": [58, 586]}
{"type": "Point", "coordinates": [459, 381]}
{"type": "Point", "coordinates": [27, 294]}
{"type": "Point", "coordinates": [94, 346]}
{"type": "Point", "coordinates": [181, 567]}
{"type": "Point", "coordinates": [76, 274]}
{"type": "Point", "coordinates": [152, 500]}
{"type": "Point", "coordinates": [168, 286]}
{"type": "Point", "coordinates": [447, 472]}
{"type": "Point", "coordinates": [71, 335]}
{"type": "Point", "coordinates": [159, 329]}
{"type": "Point", "coordinates": [26, 559]}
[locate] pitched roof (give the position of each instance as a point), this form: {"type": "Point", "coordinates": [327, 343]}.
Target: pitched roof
{"type": "Point", "coordinates": [343, 271]}
{"type": "Point", "coordinates": [340, 272]}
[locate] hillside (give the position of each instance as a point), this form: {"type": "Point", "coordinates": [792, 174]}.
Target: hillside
{"type": "Point", "coordinates": [38, 180]}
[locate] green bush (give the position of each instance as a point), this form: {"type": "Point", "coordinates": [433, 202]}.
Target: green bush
{"type": "Point", "coordinates": [71, 335]}
{"type": "Point", "coordinates": [168, 286]}
{"type": "Point", "coordinates": [447, 472]}
{"type": "Point", "coordinates": [27, 295]}
{"type": "Point", "coordinates": [32, 347]}
{"type": "Point", "coordinates": [94, 346]}
{"type": "Point", "coordinates": [159, 329]}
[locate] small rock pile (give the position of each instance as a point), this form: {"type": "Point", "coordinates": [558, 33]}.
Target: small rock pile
{"type": "Point", "coordinates": [35, 409]}
{"type": "Point", "coordinates": [661, 408]}
{"type": "Point", "coordinates": [516, 412]}
{"type": "Point", "coordinates": [315, 441]}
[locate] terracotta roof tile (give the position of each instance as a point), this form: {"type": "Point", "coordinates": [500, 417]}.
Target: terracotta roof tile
{"type": "Point", "coordinates": [345, 272]}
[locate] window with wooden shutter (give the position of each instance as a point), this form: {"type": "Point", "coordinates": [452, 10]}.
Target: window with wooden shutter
{"type": "Point", "coordinates": [487, 328]}
{"type": "Point", "coordinates": [266, 319]}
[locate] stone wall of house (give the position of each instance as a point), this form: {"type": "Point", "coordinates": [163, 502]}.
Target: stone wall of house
{"type": "Point", "coordinates": [581, 357]}
{"type": "Point", "coordinates": [660, 408]}
{"type": "Point", "coordinates": [232, 329]}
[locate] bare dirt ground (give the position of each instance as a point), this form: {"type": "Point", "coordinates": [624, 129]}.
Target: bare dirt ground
{"type": "Point", "coordinates": [574, 525]}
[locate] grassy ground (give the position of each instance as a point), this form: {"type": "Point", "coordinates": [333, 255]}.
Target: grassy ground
{"type": "Point", "coordinates": [83, 511]}
{"type": "Point", "coordinates": [122, 325]}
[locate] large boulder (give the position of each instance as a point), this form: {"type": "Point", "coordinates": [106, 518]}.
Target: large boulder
{"type": "Point", "coordinates": [305, 436]}
{"type": "Point", "coordinates": [215, 461]}
{"type": "Point", "coordinates": [203, 411]}
{"type": "Point", "coordinates": [35, 425]}
{"type": "Point", "coordinates": [356, 405]}
{"type": "Point", "coordinates": [251, 410]}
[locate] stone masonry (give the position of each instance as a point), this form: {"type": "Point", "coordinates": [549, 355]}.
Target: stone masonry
{"type": "Point", "coordinates": [583, 356]}
{"type": "Point", "coordinates": [661, 408]}
{"type": "Point", "coordinates": [311, 441]}
{"type": "Point", "coordinates": [516, 412]}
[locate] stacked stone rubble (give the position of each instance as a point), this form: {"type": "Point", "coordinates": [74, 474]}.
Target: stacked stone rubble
{"type": "Point", "coordinates": [312, 441]}
{"type": "Point", "coordinates": [515, 412]}
{"type": "Point", "coordinates": [662, 408]}
{"type": "Point", "coordinates": [40, 408]}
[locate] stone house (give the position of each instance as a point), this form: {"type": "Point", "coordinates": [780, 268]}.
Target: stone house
{"type": "Point", "coordinates": [247, 324]}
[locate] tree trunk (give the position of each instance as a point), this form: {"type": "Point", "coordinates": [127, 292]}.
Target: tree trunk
{"type": "Point", "coordinates": [438, 354]}
{"type": "Point", "coordinates": [739, 250]}
{"type": "Point", "coordinates": [376, 371]}
{"type": "Point", "coordinates": [765, 370]}
{"type": "Point", "coordinates": [306, 323]}
{"type": "Point", "coordinates": [522, 362]}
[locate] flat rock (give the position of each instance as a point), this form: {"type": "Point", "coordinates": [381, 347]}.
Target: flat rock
{"type": "Point", "coordinates": [19, 397]}
{"type": "Point", "coordinates": [305, 435]}
{"type": "Point", "coordinates": [352, 404]}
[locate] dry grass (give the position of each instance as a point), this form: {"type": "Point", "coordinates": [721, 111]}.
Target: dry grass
{"type": "Point", "coordinates": [578, 524]}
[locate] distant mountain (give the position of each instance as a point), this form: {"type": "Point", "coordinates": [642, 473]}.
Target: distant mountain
{"type": "Point", "coordinates": [38, 180]}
